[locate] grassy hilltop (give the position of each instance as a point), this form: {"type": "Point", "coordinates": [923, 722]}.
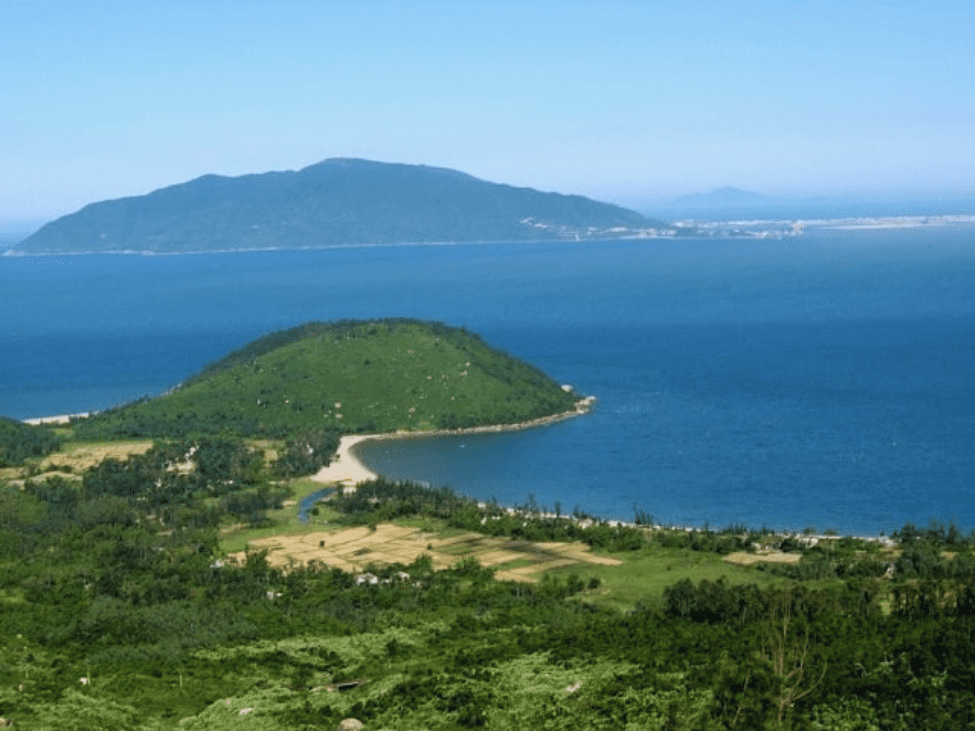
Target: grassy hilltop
{"type": "Point", "coordinates": [351, 377]}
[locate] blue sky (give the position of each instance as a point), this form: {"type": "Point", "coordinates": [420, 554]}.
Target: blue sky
{"type": "Point", "coordinates": [621, 101]}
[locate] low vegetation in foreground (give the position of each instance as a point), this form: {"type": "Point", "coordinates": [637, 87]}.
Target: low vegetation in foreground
{"type": "Point", "coordinates": [20, 442]}
{"type": "Point", "coordinates": [162, 579]}
{"type": "Point", "coordinates": [121, 607]}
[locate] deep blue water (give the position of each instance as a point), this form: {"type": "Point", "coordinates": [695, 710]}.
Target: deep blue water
{"type": "Point", "coordinates": [823, 381]}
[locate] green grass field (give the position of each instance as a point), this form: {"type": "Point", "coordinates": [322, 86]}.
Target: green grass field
{"type": "Point", "coordinates": [646, 573]}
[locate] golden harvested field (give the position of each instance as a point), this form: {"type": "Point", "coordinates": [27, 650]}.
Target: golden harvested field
{"type": "Point", "coordinates": [354, 549]}
{"type": "Point", "coordinates": [76, 457]}
{"type": "Point", "coordinates": [81, 456]}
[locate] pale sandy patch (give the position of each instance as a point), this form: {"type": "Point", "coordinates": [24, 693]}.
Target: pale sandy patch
{"type": "Point", "coordinates": [84, 456]}
{"type": "Point", "coordinates": [61, 419]}
{"type": "Point", "coordinates": [513, 575]}
{"type": "Point", "coordinates": [522, 573]}
{"type": "Point", "coordinates": [345, 469]}
{"type": "Point", "coordinates": [455, 540]}
{"type": "Point", "coordinates": [746, 559]}
{"type": "Point", "coordinates": [583, 553]}
{"type": "Point", "coordinates": [494, 558]}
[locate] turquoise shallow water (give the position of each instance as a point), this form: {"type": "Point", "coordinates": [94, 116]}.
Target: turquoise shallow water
{"type": "Point", "coordinates": [822, 381]}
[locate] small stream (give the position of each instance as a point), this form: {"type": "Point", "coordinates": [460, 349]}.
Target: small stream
{"type": "Point", "coordinates": [308, 502]}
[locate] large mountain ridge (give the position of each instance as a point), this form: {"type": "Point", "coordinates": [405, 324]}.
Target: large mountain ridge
{"type": "Point", "coordinates": [336, 202]}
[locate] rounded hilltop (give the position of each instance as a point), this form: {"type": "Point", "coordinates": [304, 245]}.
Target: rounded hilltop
{"type": "Point", "coordinates": [350, 376]}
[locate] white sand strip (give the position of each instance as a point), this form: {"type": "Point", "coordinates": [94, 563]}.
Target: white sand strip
{"type": "Point", "coordinates": [345, 469]}
{"type": "Point", "coordinates": [63, 419]}
{"type": "Point", "coordinates": [348, 471]}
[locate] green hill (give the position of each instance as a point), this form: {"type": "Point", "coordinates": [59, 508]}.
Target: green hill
{"type": "Point", "coordinates": [350, 376]}
{"type": "Point", "coordinates": [337, 202]}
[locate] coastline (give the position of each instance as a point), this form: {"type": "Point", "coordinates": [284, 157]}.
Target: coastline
{"type": "Point", "coordinates": [61, 419]}
{"type": "Point", "coordinates": [9, 251]}
{"type": "Point", "coordinates": [347, 469]}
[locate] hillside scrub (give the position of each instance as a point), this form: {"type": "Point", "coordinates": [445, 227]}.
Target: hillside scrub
{"type": "Point", "coordinates": [20, 442]}
{"type": "Point", "coordinates": [120, 610]}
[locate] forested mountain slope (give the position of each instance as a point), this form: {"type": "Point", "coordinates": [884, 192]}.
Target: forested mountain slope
{"type": "Point", "coordinates": [337, 202]}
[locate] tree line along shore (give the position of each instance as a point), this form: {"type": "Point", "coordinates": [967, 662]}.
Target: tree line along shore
{"type": "Point", "coordinates": [120, 575]}
{"type": "Point", "coordinates": [141, 588]}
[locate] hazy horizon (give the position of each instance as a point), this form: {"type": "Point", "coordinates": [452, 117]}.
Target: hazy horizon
{"type": "Point", "coordinates": [624, 101]}
{"type": "Point", "coordinates": [852, 204]}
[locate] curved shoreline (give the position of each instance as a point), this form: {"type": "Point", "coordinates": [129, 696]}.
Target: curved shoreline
{"type": "Point", "coordinates": [347, 469]}
{"type": "Point", "coordinates": [61, 419]}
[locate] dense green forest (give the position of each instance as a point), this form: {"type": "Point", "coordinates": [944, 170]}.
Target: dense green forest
{"type": "Point", "coordinates": [119, 609]}
{"type": "Point", "coordinates": [19, 442]}
{"type": "Point", "coordinates": [349, 376]}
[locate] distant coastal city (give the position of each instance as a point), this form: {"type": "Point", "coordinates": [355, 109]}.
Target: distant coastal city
{"type": "Point", "coordinates": [764, 228]}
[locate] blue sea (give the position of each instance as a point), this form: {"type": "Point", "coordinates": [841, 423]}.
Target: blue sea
{"type": "Point", "coordinates": [824, 381]}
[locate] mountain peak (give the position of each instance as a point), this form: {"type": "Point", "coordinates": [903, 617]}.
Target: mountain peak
{"type": "Point", "coordinates": [335, 202]}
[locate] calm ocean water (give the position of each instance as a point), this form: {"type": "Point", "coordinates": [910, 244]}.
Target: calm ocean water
{"type": "Point", "coordinates": [823, 381]}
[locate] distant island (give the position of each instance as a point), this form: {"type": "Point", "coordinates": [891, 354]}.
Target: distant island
{"type": "Point", "coordinates": [731, 204]}
{"type": "Point", "coordinates": [335, 203]}
{"type": "Point", "coordinates": [347, 202]}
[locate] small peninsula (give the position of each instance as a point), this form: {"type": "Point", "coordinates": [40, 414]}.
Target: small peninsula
{"type": "Point", "coordinates": [347, 377]}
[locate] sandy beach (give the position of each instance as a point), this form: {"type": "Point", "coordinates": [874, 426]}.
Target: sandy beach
{"type": "Point", "coordinates": [347, 470]}
{"type": "Point", "coordinates": [62, 419]}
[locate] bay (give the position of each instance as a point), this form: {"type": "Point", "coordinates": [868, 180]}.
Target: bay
{"type": "Point", "coordinates": [820, 381]}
